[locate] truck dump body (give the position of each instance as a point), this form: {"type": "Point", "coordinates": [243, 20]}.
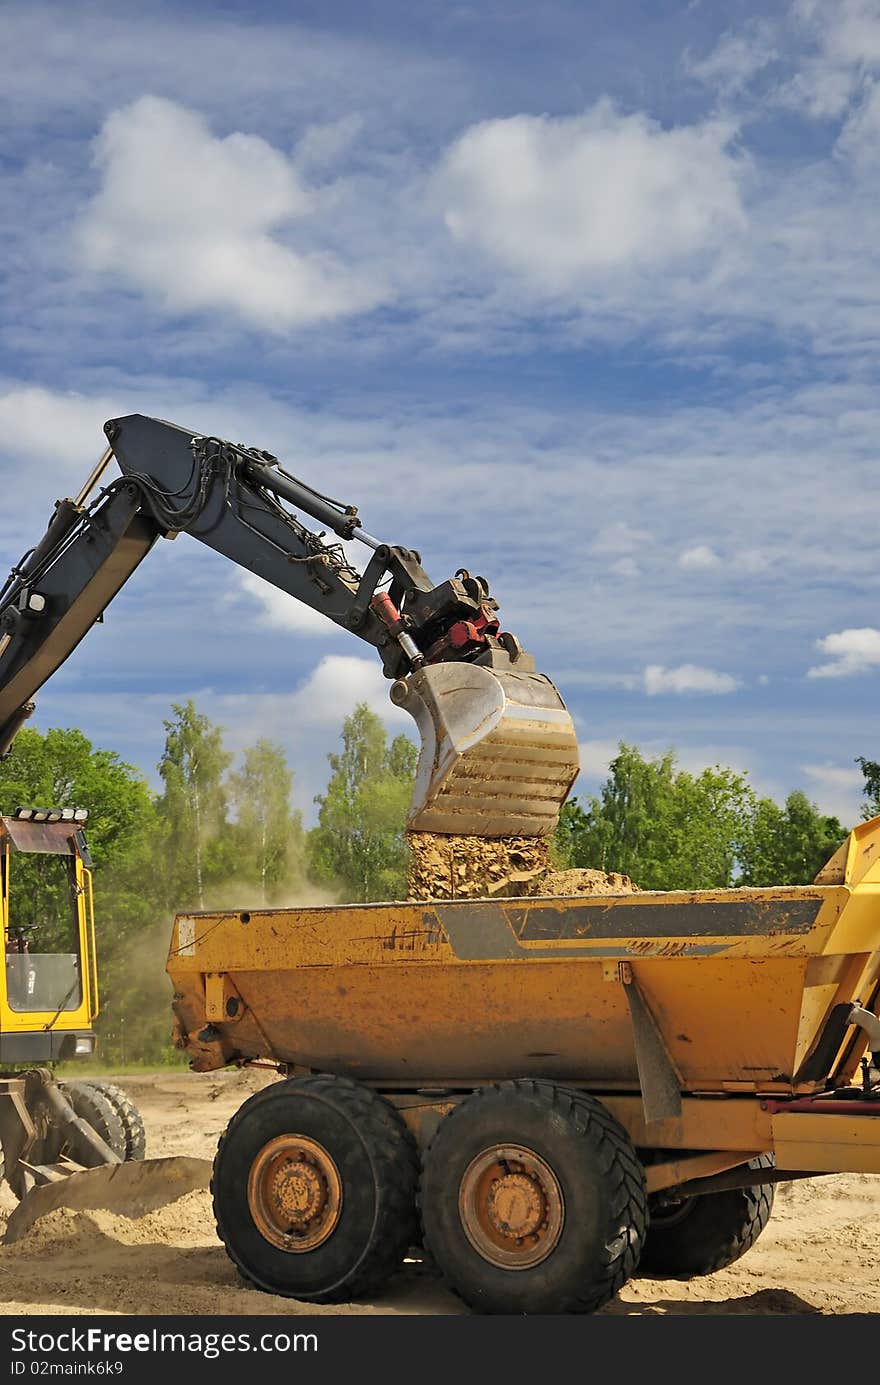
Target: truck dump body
{"type": "Point", "coordinates": [740, 987]}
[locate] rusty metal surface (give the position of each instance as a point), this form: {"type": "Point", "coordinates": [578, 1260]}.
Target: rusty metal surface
{"type": "Point", "coordinates": [50, 837]}
{"type": "Point", "coordinates": [460, 992]}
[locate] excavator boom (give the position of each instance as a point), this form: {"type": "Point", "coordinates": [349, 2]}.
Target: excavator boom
{"type": "Point", "coordinates": [498, 748]}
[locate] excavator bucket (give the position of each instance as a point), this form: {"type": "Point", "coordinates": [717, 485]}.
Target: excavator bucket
{"type": "Point", "coordinates": [499, 751]}
{"type": "Point", "coordinates": [128, 1189]}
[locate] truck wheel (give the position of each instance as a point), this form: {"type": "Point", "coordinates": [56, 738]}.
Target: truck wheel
{"type": "Point", "coordinates": [314, 1189]}
{"type": "Point", "coordinates": [533, 1200]}
{"type": "Point", "coordinates": [128, 1113]}
{"type": "Point", "coordinates": [699, 1235]}
{"type": "Point", "coordinates": [93, 1106]}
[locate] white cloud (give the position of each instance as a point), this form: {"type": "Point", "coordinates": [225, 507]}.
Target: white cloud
{"type": "Point", "coordinates": [44, 424]}
{"type": "Point", "coordinates": [838, 789]}
{"type": "Point", "coordinates": [860, 138]}
{"type": "Point", "coordinates": [595, 757]}
{"type": "Point", "coordinates": [850, 651]}
{"type": "Point", "coordinates": [280, 611]}
{"type": "Point", "coordinates": [735, 59]}
{"type": "Point", "coordinates": [619, 537]}
{"type": "Point", "coordinates": [198, 223]}
{"type": "Point", "coordinates": [336, 686]}
{"type": "Point", "coordinates": [687, 678]}
{"type": "Point", "coordinates": [565, 199]}
{"type": "Point", "coordinates": [846, 39]}
{"type": "Point", "coordinates": [323, 144]}
{"type": "Point", "coordinates": [625, 568]}
{"type": "Point", "coordinates": [752, 560]}
{"type": "Point", "coordinates": [848, 30]}
{"type": "Point", "coordinates": [702, 556]}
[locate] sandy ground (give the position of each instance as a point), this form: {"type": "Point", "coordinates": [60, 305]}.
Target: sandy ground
{"type": "Point", "coordinates": [819, 1255]}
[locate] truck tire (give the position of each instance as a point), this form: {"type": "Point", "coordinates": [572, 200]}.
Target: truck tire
{"type": "Point", "coordinates": [533, 1200]}
{"type": "Point", "coordinates": [128, 1113]}
{"type": "Point", "coordinates": [700, 1235]}
{"type": "Point", "coordinates": [93, 1106]}
{"type": "Point", "coordinates": [314, 1188]}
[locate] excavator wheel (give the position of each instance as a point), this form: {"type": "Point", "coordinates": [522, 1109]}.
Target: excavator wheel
{"type": "Point", "coordinates": [89, 1102]}
{"type": "Point", "coordinates": [533, 1200]}
{"type": "Point", "coordinates": [314, 1189]}
{"type": "Point", "coordinates": [128, 1113]}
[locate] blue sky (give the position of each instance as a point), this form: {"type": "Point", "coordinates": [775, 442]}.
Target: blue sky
{"type": "Point", "coordinates": [584, 298]}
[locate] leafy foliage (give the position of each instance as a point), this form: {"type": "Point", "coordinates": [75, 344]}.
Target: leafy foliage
{"type": "Point", "coordinates": [671, 830]}
{"type": "Point", "coordinates": [194, 804]}
{"type": "Point", "coordinates": [358, 844]}
{"type": "Point", "coordinates": [789, 845]}
{"type": "Point", "coordinates": [270, 842]}
{"type": "Point", "coordinates": [871, 773]}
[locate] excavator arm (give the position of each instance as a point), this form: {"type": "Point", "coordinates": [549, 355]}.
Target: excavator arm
{"type": "Point", "coordinates": [498, 753]}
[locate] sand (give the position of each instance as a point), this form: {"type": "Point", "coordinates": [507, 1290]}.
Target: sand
{"type": "Point", "coordinates": [819, 1254]}
{"type": "Point", "coordinates": [465, 867]}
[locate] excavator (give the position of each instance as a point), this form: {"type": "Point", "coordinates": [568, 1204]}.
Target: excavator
{"type": "Point", "coordinates": [498, 749]}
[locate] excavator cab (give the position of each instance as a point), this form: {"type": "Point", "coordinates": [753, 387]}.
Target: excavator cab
{"type": "Point", "coordinates": [51, 1128]}
{"type": "Point", "coordinates": [49, 988]}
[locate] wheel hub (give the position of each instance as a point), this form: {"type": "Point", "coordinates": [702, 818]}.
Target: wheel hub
{"type": "Point", "coordinates": [516, 1205]}
{"type": "Point", "coordinates": [294, 1193]}
{"type": "Point", "coordinates": [511, 1206]}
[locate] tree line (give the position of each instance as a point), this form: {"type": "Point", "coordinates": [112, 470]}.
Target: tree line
{"type": "Point", "coordinates": [220, 834]}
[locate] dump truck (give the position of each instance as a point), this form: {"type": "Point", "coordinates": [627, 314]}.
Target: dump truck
{"type": "Point", "coordinates": [547, 1096]}
{"type": "Point", "coordinates": [498, 750]}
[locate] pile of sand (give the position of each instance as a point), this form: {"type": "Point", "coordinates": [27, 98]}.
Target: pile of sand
{"type": "Point", "coordinates": [188, 1221]}
{"type": "Point", "coordinates": [463, 867]}
{"type": "Point", "coordinates": [575, 882]}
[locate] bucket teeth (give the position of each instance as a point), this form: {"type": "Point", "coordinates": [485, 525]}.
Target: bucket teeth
{"type": "Point", "coordinates": [499, 751]}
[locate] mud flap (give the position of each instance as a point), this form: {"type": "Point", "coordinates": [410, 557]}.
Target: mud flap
{"type": "Point", "coordinates": [499, 750]}
{"type": "Point", "coordinates": [129, 1190]}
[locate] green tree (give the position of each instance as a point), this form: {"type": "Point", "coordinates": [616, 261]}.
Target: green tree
{"type": "Point", "coordinates": [194, 804]}
{"type": "Point", "coordinates": [61, 769]}
{"type": "Point", "coordinates": [871, 774]}
{"type": "Point", "coordinates": [789, 845]}
{"type": "Point", "coordinates": [662, 826]}
{"type": "Point", "coordinates": [358, 845]}
{"type": "Point", "coordinates": [269, 836]}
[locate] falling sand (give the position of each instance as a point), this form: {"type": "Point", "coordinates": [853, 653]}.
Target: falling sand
{"type": "Point", "coordinates": [463, 867]}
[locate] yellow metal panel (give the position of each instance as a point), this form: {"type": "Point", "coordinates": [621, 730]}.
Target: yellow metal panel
{"type": "Point", "coordinates": [674, 1171]}
{"type": "Point", "coordinates": [826, 1143]}
{"type": "Point", "coordinates": [480, 990]}
{"type": "Point", "coordinates": [710, 1123]}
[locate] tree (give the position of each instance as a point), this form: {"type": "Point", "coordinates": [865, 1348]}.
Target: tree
{"type": "Point", "coordinates": [358, 845]}
{"type": "Point", "coordinates": [270, 838]}
{"type": "Point", "coordinates": [662, 826]}
{"type": "Point", "coordinates": [787, 846]}
{"type": "Point", "coordinates": [871, 773]}
{"type": "Point", "coordinates": [61, 769]}
{"type": "Point", "coordinates": [194, 803]}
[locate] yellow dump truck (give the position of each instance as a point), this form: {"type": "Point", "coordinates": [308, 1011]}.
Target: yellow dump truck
{"type": "Point", "coordinates": [547, 1093]}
